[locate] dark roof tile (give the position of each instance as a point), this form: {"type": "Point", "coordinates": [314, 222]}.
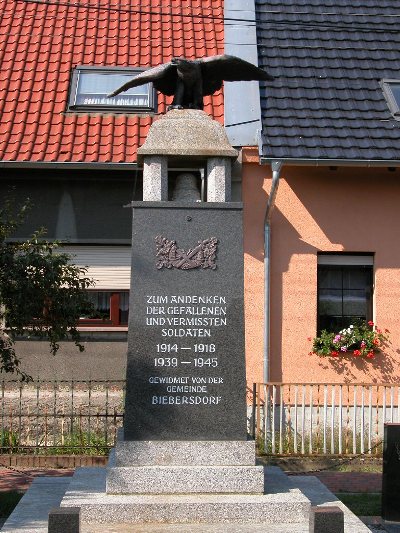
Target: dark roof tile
{"type": "Point", "coordinates": [328, 57]}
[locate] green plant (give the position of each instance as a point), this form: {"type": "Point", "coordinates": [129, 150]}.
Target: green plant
{"type": "Point", "coordinates": [361, 339]}
{"type": "Point", "coordinates": [362, 504]}
{"type": "Point", "coordinates": [81, 443]}
{"type": "Point", "coordinates": [42, 294]}
{"type": "Point", "coordinates": [9, 440]}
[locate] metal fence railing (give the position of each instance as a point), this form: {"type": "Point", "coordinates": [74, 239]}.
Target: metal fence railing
{"type": "Point", "coordinates": [60, 417]}
{"type": "Point", "coordinates": [74, 417]}
{"type": "Point", "coordinates": [328, 419]}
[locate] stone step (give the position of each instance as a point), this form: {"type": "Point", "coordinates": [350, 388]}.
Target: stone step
{"type": "Point", "coordinates": [179, 509]}
{"type": "Point", "coordinates": [183, 453]}
{"type": "Point", "coordinates": [185, 480]}
{"type": "Point", "coordinates": [87, 490]}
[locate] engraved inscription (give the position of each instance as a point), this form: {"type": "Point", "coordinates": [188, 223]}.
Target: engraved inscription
{"type": "Point", "coordinates": [188, 361]}
{"type": "Point", "coordinates": [201, 256]}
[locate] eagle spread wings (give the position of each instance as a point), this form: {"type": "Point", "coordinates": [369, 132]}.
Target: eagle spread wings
{"type": "Point", "coordinates": [189, 81]}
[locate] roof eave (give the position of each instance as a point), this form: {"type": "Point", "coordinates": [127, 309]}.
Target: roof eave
{"type": "Point", "coordinates": [68, 165]}
{"type": "Point", "coordinates": [332, 162]}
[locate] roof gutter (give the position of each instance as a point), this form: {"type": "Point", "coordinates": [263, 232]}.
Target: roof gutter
{"type": "Point", "coordinates": [334, 162]}
{"type": "Point", "coordinates": [276, 173]}
{"type": "Point", "coordinates": [68, 165]}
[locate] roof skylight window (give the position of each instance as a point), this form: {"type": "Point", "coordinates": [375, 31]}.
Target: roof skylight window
{"type": "Point", "coordinates": [91, 85]}
{"type": "Point", "coordinates": [391, 90]}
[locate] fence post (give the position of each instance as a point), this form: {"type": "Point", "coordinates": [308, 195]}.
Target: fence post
{"type": "Point", "coordinates": [253, 416]}
{"type": "Point", "coordinates": [391, 473]}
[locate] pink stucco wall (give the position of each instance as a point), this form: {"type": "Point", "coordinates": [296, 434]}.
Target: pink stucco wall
{"type": "Point", "coordinates": [319, 209]}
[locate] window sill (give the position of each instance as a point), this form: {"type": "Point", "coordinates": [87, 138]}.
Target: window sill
{"type": "Point", "coordinates": [102, 328]}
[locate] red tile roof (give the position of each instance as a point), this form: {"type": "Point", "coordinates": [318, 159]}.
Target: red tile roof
{"type": "Point", "coordinates": [44, 40]}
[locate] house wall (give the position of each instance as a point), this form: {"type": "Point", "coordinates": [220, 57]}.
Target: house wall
{"type": "Point", "coordinates": [318, 209]}
{"type": "Point", "coordinates": [104, 358]}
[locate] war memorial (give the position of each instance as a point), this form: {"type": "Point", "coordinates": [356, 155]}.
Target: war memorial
{"type": "Point", "coordinates": [183, 460]}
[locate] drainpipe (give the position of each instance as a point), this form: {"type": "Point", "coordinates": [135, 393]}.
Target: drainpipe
{"type": "Point", "coordinates": [276, 172]}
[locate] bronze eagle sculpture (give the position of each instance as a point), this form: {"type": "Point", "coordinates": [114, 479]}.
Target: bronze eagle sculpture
{"type": "Point", "coordinates": [190, 80]}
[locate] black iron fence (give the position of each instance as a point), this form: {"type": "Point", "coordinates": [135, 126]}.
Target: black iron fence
{"type": "Point", "coordinates": [60, 417]}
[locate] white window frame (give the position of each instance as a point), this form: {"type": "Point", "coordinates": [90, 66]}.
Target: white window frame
{"type": "Point", "coordinates": [112, 104]}
{"type": "Point", "coordinates": [394, 105]}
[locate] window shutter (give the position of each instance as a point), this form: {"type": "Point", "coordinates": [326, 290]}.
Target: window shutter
{"type": "Point", "coordinates": [109, 266]}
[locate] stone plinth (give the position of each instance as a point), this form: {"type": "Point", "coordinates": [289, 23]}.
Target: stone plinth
{"type": "Point", "coordinates": [182, 453]}
{"type": "Point", "coordinates": [326, 519]}
{"type": "Point", "coordinates": [176, 467]}
{"type": "Point", "coordinates": [185, 480]}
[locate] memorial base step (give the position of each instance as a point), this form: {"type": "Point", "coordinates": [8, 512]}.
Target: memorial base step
{"type": "Point", "coordinates": [185, 479]}
{"type": "Point", "coordinates": [183, 453]}
{"type": "Point", "coordinates": [87, 490]}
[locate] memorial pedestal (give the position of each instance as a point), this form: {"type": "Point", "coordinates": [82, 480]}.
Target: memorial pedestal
{"type": "Point", "coordinates": [177, 467]}
{"type": "Point", "coordinates": [87, 490]}
{"type": "Point", "coordinates": [183, 456]}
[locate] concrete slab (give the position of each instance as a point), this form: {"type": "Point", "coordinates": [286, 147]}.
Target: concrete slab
{"type": "Point", "coordinates": [31, 513]}
{"type": "Point", "coordinates": [319, 495]}
{"type": "Point", "coordinates": [30, 516]}
{"type": "Point", "coordinates": [392, 527]}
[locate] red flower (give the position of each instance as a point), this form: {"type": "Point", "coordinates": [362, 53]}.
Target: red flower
{"type": "Point", "coordinates": [370, 323]}
{"type": "Point", "coordinates": [356, 353]}
{"type": "Point", "coordinates": [376, 342]}
{"type": "Point", "coordinates": [334, 354]}
{"type": "Point", "coordinates": [370, 355]}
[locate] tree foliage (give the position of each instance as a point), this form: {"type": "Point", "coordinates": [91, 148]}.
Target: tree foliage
{"type": "Point", "coordinates": [42, 294]}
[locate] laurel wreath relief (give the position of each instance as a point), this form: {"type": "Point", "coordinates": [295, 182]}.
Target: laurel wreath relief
{"type": "Point", "coordinates": [201, 256]}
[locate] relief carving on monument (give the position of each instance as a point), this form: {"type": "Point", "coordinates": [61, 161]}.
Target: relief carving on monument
{"type": "Point", "coordinates": [201, 256]}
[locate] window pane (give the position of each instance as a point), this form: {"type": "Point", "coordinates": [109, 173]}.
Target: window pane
{"type": "Point", "coordinates": [344, 294]}
{"type": "Point", "coordinates": [93, 88]}
{"type": "Point", "coordinates": [354, 303]}
{"type": "Point", "coordinates": [331, 323]}
{"type": "Point", "coordinates": [123, 307]}
{"type": "Point", "coordinates": [396, 93]}
{"type": "Point", "coordinates": [101, 303]}
{"type": "Point", "coordinates": [355, 278]}
{"type": "Point", "coordinates": [330, 302]}
{"type": "Point", "coordinates": [329, 278]}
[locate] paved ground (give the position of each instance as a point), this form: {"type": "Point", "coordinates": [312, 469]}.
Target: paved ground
{"type": "Point", "coordinates": [20, 480]}
{"type": "Point", "coordinates": [334, 481]}
{"type": "Point", "coordinates": [45, 492]}
{"type": "Point", "coordinates": [350, 481]}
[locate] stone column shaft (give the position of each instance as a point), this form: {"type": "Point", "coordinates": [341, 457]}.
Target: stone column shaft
{"type": "Point", "coordinates": [219, 179]}
{"type": "Point", "coordinates": [155, 179]}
